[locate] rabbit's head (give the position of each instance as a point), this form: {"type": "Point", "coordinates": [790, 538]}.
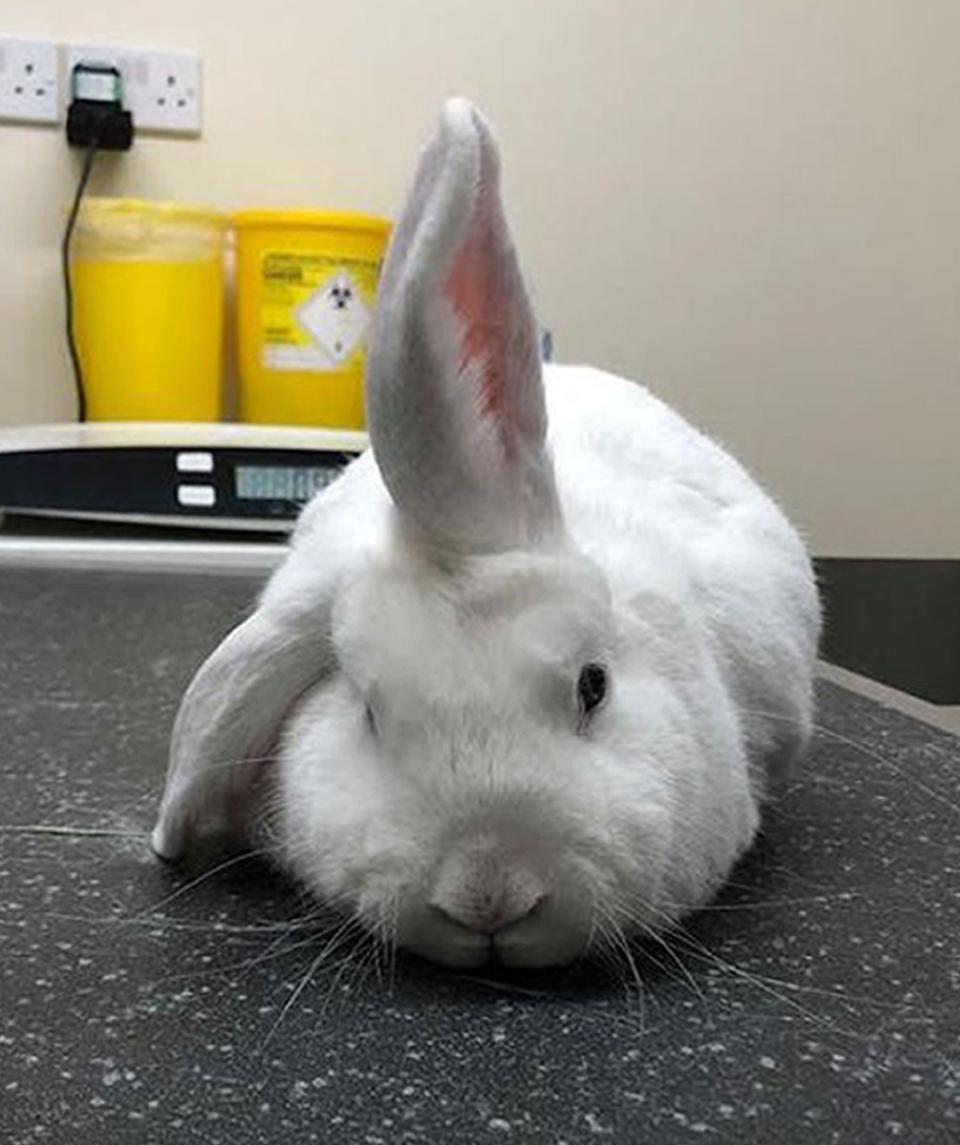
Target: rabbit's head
{"type": "Point", "coordinates": [480, 752]}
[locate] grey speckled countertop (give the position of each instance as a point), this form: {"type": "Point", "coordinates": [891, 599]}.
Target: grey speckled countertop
{"type": "Point", "coordinates": [818, 1001]}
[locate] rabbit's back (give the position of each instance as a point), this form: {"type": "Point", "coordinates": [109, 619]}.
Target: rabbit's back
{"type": "Point", "coordinates": [675, 522]}
{"type": "Point", "coordinates": [674, 519]}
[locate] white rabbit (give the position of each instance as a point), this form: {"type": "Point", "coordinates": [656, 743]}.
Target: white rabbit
{"type": "Point", "coordinates": [531, 662]}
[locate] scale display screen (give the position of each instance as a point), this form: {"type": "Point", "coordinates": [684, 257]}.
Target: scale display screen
{"type": "Point", "coordinates": [222, 476]}
{"type": "Point", "coordinates": [296, 483]}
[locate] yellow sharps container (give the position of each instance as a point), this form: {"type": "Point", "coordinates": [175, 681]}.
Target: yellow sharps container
{"type": "Point", "coordinates": [306, 289]}
{"type": "Point", "coordinates": [148, 309]}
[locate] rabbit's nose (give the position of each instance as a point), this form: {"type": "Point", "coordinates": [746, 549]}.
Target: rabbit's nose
{"type": "Point", "coordinates": [489, 914]}
{"type": "Point", "coordinates": [486, 894]}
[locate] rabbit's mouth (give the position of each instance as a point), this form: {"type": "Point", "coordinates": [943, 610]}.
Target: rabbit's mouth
{"type": "Point", "coordinates": [550, 933]}
{"type": "Point", "coordinates": [493, 893]}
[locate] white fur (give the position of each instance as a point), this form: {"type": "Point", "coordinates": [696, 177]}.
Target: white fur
{"type": "Point", "coordinates": [418, 653]}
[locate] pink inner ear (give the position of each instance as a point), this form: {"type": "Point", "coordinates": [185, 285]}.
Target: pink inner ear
{"type": "Point", "coordinates": [481, 300]}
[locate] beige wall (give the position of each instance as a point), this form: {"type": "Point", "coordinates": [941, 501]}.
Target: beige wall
{"type": "Point", "coordinates": [751, 204]}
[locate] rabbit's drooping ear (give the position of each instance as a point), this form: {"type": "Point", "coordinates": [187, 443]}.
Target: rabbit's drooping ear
{"type": "Point", "coordinates": [455, 399]}
{"type": "Point", "coordinates": [228, 721]}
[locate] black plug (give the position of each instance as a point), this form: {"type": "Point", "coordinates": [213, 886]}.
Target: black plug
{"type": "Point", "coordinates": [96, 121]}
{"type": "Point", "coordinates": [96, 116]}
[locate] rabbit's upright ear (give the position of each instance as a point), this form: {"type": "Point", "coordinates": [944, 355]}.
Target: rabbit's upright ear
{"type": "Point", "coordinates": [455, 397]}
{"type": "Point", "coordinates": [228, 723]}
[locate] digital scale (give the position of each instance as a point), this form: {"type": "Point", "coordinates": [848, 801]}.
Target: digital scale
{"type": "Point", "coordinates": [229, 476]}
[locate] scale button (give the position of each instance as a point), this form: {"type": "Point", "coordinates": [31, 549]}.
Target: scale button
{"type": "Point", "coordinates": [197, 462]}
{"type": "Point", "coordinates": [197, 496]}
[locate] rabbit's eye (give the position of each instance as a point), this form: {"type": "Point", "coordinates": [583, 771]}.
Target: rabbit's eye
{"type": "Point", "coordinates": [371, 720]}
{"type": "Point", "coordinates": [591, 688]}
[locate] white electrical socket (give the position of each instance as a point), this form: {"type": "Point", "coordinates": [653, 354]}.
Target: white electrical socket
{"type": "Point", "coordinates": [29, 91]}
{"type": "Point", "coordinates": [161, 89]}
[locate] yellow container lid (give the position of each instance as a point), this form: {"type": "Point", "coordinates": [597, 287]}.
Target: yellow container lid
{"type": "Point", "coordinates": [312, 220]}
{"type": "Point", "coordinates": [106, 211]}
{"type": "Point", "coordinates": [149, 229]}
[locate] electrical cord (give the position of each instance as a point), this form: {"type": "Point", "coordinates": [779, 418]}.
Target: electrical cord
{"type": "Point", "coordinates": [68, 286]}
